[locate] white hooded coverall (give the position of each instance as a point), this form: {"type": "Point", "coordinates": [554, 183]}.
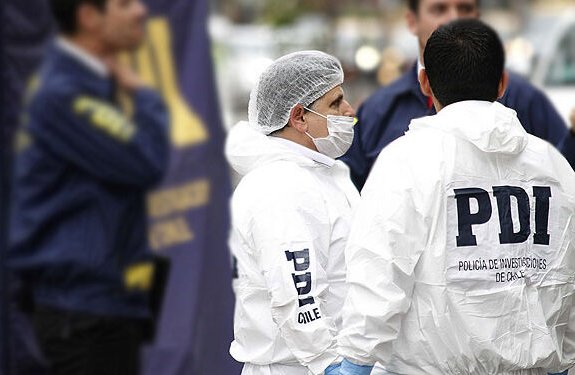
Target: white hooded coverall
{"type": "Point", "coordinates": [291, 214]}
{"type": "Point", "coordinates": [461, 257]}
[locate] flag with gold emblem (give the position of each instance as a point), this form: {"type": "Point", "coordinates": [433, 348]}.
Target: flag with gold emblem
{"type": "Point", "coordinates": [189, 212]}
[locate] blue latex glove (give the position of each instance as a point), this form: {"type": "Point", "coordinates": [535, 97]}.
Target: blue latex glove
{"type": "Point", "coordinates": [332, 369]}
{"type": "Point", "coordinates": [348, 368]}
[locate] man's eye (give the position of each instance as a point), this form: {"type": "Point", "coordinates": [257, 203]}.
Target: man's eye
{"type": "Point", "coordinates": [466, 9]}
{"type": "Point", "coordinates": [438, 9]}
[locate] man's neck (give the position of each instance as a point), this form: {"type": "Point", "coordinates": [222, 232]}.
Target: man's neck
{"type": "Point", "coordinates": [292, 135]}
{"type": "Point", "coordinates": [90, 46]}
{"type": "Point", "coordinates": [86, 53]}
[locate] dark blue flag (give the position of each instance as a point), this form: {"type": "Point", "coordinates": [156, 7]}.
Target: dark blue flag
{"type": "Point", "coordinates": [189, 218]}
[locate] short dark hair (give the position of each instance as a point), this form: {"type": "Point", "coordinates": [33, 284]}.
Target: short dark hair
{"type": "Point", "coordinates": [413, 5]}
{"type": "Point", "coordinates": [65, 13]}
{"type": "Point", "coordinates": [464, 60]}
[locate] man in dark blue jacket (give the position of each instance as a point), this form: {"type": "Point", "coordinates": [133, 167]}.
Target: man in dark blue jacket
{"type": "Point", "coordinates": [385, 115]}
{"type": "Point", "coordinates": [83, 167]}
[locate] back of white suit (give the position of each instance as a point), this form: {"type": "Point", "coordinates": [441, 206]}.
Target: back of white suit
{"type": "Point", "coordinates": [464, 263]}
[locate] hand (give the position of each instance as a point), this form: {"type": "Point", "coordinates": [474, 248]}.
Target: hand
{"type": "Point", "coordinates": [349, 368]}
{"type": "Point", "coordinates": [332, 369]}
{"type": "Point", "coordinates": [126, 78]}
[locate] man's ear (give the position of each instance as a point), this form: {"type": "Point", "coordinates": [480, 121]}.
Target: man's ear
{"type": "Point", "coordinates": [424, 83]}
{"type": "Point", "coordinates": [296, 118]}
{"type": "Point", "coordinates": [88, 17]}
{"type": "Point", "coordinates": [503, 84]}
{"type": "Point", "coordinates": [411, 19]}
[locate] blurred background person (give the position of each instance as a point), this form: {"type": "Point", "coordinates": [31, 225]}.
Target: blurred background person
{"type": "Point", "coordinates": [386, 114]}
{"type": "Point", "coordinates": [290, 217]}
{"type": "Point", "coordinates": [83, 167]}
{"type": "Point", "coordinates": [187, 213]}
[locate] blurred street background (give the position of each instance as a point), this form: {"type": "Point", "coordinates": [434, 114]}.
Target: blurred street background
{"type": "Point", "coordinates": [371, 39]}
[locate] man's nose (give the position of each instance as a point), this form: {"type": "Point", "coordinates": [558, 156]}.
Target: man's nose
{"type": "Point", "coordinates": [348, 109]}
{"type": "Point", "coordinates": [453, 14]}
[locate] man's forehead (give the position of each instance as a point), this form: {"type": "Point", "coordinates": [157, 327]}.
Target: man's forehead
{"type": "Point", "coordinates": [332, 94]}
{"type": "Point", "coordinates": [335, 92]}
{"type": "Point", "coordinates": [448, 2]}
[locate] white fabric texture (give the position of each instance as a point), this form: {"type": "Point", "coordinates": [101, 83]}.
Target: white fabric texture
{"type": "Point", "coordinates": [297, 78]}
{"type": "Point", "coordinates": [274, 369]}
{"type": "Point", "coordinates": [423, 299]}
{"type": "Point", "coordinates": [291, 200]}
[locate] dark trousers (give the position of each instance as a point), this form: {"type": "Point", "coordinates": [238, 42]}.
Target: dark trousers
{"type": "Point", "coordinates": [83, 344]}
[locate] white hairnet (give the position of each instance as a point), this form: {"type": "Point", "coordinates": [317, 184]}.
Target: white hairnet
{"type": "Point", "coordinates": [300, 77]}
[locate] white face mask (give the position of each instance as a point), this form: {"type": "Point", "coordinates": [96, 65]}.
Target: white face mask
{"type": "Point", "coordinates": [339, 138]}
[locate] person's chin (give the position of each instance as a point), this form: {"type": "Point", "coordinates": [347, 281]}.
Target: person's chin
{"type": "Point", "coordinates": [136, 38]}
{"type": "Point", "coordinates": [133, 44]}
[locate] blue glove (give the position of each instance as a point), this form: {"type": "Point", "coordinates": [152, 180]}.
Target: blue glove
{"type": "Point", "coordinates": [348, 368]}
{"type": "Point", "coordinates": [332, 369]}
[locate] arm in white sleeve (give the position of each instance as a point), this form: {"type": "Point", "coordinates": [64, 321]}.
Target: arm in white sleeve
{"type": "Point", "coordinates": [566, 342]}
{"type": "Point", "coordinates": [291, 235]}
{"type": "Point", "coordinates": [387, 237]}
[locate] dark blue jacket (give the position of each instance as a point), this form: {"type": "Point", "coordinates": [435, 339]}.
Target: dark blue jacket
{"type": "Point", "coordinates": [78, 225]}
{"type": "Point", "coordinates": [385, 116]}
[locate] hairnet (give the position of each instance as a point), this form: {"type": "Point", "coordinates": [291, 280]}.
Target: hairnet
{"type": "Point", "coordinates": [299, 77]}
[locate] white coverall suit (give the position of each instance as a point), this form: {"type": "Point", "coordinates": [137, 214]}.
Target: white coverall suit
{"type": "Point", "coordinates": [291, 215]}
{"type": "Point", "coordinates": [461, 259]}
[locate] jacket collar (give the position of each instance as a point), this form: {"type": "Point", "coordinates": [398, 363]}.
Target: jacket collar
{"type": "Point", "coordinates": [408, 83]}
{"type": "Point", "coordinates": [82, 56]}
{"type": "Point", "coordinates": [413, 84]}
{"type": "Point", "coordinates": [304, 151]}
{"type": "Point", "coordinates": [61, 64]}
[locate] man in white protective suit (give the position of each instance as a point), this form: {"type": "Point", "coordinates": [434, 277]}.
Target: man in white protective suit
{"type": "Point", "coordinates": [291, 214]}
{"type": "Point", "coordinates": [461, 256]}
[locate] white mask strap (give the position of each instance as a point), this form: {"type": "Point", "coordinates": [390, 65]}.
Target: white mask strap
{"type": "Point", "coordinates": [312, 111]}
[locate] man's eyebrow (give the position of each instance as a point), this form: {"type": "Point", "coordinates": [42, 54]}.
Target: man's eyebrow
{"type": "Point", "coordinates": [337, 100]}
